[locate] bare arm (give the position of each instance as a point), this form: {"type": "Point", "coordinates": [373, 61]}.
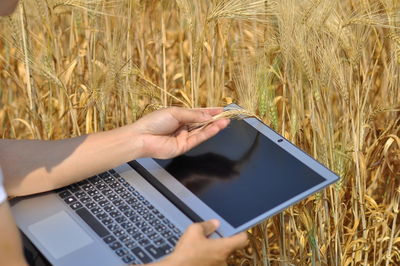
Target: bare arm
{"type": "Point", "coordinates": [32, 166]}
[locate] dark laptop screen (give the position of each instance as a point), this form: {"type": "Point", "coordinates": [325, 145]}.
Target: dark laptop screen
{"type": "Point", "coordinates": [241, 174]}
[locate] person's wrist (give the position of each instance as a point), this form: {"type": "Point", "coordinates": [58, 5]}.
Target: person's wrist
{"type": "Point", "coordinates": [135, 141]}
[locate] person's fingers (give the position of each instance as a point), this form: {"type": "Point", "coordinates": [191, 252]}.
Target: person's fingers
{"type": "Point", "coordinates": [206, 228]}
{"type": "Point", "coordinates": [203, 134]}
{"type": "Point", "coordinates": [184, 116]}
{"type": "Point", "coordinates": [211, 110]}
{"type": "Point", "coordinates": [235, 242]}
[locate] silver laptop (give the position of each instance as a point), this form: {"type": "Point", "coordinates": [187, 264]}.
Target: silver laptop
{"type": "Point", "coordinates": [136, 212]}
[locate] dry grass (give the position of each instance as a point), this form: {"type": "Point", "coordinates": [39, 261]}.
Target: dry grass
{"type": "Point", "coordinates": [324, 73]}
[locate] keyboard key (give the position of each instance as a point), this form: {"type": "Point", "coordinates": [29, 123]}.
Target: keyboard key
{"type": "Point", "coordinates": [109, 239]}
{"type": "Point", "coordinates": [155, 251]}
{"type": "Point", "coordinates": [148, 216]}
{"type": "Point", "coordinates": [92, 222]}
{"type": "Point", "coordinates": [112, 196]}
{"type": "Point", "coordinates": [112, 171]}
{"type": "Point", "coordinates": [166, 233]}
{"type": "Point", "coordinates": [123, 207]}
{"type": "Point", "coordinates": [141, 224]}
{"type": "Point", "coordinates": [115, 245]}
{"type": "Point", "coordinates": [107, 221]}
{"type": "Point", "coordinates": [121, 252]}
{"type": "Point", "coordinates": [80, 194]}
{"type": "Point", "coordinates": [107, 191]}
{"type": "Point", "coordinates": [173, 240]}
{"type": "Point", "coordinates": [118, 233]}
{"type": "Point", "coordinates": [155, 223]}
{"type": "Point", "coordinates": [135, 218]}
{"type": "Point", "coordinates": [114, 184]}
{"type": "Point", "coordinates": [92, 192]}
{"type": "Point", "coordinates": [125, 238]}
{"type": "Point", "coordinates": [87, 187]}
{"type": "Point", "coordinates": [131, 201]}
{"type": "Point", "coordinates": [121, 219]}
{"type": "Point", "coordinates": [137, 206]}
{"type": "Point", "coordinates": [96, 210]}
{"type": "Point", "coordinates": [129, 259]}
{"type": "Point", "coordinates": [166, 249]}
{"type": "Point", "coordinates": [113, 227]}
{"type": "Point", "coordinates": [95, 180]}
{"type": "Point", "coordinates": [102, 215]}
{"type": "Point", "coordinates": [144, 242]}
{"type": "Point", "coordinates": [131, 244]}
{"type": "Point", "coordinates": [70, 199]}
{"type": "Point", "coordinates": [159, 241]}
{"type": "Point", "coordinates": [153, 235]}
{"type": "Point", "coordinates": [138, 236]}
{"type": "Point", "coordinates": [132, 230]}
{"type": "Point", "coordinates": [109, 208]}
{"type": "Point", "coordinates": [129, 213]}
{"type": "Point", "coordinates": [104, 175]}
{"type": "Point", "coordinates": [85, 200]}
{"type": "Point", "coordinates": [120, 190]}
{"type": "Point", "coordinates": [115, 214]}
{"type": "Point", "coordinates": [103, 203]}
{"type": "Point", "coordinates": [147, 230]}
{"type": "Point", "coordinates": [118, 202]}
{"type": "Point", "coordinates": [91, 205]}
{"type": "Point", "coordinates": [142, 211]}
{"type": "Point", "coordinates": [98, 198]}
{"type": "Point", "coordinates": [141, 255]}
{"type": "Point", "coordinates": [126, 225]}
{"type": "Point", "coordinates": [125, 195]}
{"type": "Point", "coordinates": [160, 227]}
{"type": "Point", "coordinates": [101, 186]}
{"type": "Point", "coordinates": [76, 205]}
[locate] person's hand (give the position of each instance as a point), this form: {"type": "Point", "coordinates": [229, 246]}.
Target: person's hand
{"type": "Point", "coordinates": [194, 248]}
{"type": "Point", "coordinates": [164, 133]}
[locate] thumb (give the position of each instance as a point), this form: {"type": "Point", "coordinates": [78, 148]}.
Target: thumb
{"type": "Point", "coordinates": [208, 227]}
{"type": "Point", "coordinates": [236, 242]}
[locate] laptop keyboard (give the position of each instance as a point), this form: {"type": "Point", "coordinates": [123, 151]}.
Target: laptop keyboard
{"type": "Point", "coordinates": [130, 225]}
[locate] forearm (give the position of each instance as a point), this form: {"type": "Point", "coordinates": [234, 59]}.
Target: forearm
{"type": "Point", "coordinates": [33, 166]}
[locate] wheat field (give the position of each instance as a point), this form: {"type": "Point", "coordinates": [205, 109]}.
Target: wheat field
{"type": "Point", "coordinates": [323, 73]}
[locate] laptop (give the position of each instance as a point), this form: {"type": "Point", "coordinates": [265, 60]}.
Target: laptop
{"type": "Point", "coordinates": [135, 213]}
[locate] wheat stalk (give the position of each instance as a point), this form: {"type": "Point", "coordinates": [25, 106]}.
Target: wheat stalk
{"type": "Point", "coordinates": [228, 114]}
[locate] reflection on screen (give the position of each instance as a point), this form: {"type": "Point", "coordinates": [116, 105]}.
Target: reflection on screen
{"type": "Point", "coordinates": [241, 174]}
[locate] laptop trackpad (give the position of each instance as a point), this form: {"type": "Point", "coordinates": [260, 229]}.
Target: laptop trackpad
{"type": "Point", "coordinates": [60, 234]}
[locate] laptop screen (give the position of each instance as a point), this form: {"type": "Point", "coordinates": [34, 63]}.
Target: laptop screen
{"type": "Point", "coordinates": [241, 174]}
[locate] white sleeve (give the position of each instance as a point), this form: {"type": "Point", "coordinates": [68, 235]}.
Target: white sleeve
{"type": "Point", "coordinates": [3, 195]}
